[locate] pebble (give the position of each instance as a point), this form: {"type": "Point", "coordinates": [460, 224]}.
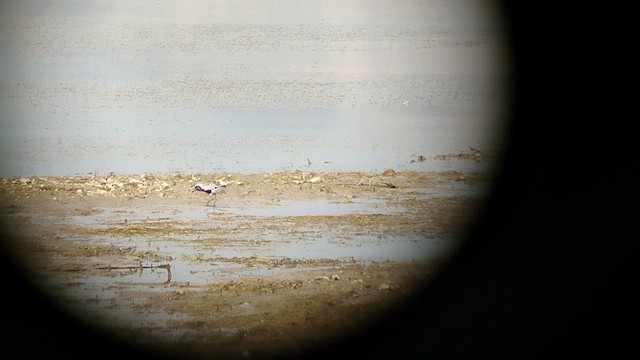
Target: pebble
{"type": "Point", "coordinates": [384, 286]}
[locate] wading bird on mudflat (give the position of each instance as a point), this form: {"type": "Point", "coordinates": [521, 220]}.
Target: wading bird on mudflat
{"type": "Point", "coordinates": [212, 189]}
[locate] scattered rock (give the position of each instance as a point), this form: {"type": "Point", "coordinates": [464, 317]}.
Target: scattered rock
{"type": "Point", "coordinates": [335, 277]}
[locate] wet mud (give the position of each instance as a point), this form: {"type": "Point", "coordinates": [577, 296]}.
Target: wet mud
{"type": "Point", "coordinates": [282, 263]}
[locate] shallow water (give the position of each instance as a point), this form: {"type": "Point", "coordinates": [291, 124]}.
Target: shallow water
{"type": "Point", "coordinates": [203, 244]}
{"type": "Point", "coordinates": [265, 233]}
{"type": "Point", "coordinates": [221, 86]}
{"type": "Point", "coordinates": [317, 208]}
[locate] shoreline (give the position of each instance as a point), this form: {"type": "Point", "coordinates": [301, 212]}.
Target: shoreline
{"type": "Point", "coordinates": [277, 265]}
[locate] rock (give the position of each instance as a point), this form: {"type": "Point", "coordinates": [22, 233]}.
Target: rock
{"type": "Point", "coordinates": [389, 172]}
{"type": "Point", "coordinates": [335, 277]}
{"type": "Point", "coordinates": [397, 182]}
{"type": "Point", "coordinates": [384, 286]}
{"type": "Point", "coordinates": [315, 179]}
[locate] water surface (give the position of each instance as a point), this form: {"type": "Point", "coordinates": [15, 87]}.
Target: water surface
{"type": "Point", "coordinates": [245, 87]}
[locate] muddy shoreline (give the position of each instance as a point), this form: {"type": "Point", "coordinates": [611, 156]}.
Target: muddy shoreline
{"type": "Point", "coordinates": [282, 263]}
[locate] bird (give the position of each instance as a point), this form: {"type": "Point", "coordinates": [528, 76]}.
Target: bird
{"type": "Point", "coordinates": [212, 189]}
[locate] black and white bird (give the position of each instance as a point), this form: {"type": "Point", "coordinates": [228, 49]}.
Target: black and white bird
{"type": "Point", "coordinates": [212, 189]}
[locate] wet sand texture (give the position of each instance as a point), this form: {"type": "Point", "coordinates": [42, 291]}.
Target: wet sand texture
{"type": "Point", "coordinates": [282, 263]}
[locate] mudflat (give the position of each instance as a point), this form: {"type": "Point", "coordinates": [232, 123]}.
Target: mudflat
{"type": "Point", "coordinates": [276, 264]}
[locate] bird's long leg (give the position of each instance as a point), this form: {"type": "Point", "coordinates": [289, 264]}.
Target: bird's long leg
{"type": "Point", "coordinates": [215, 198]}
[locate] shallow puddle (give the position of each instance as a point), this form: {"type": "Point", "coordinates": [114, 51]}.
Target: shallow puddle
{"type": "Point", "coordinates": [199, 262]}
{"type": "Point", "coordinates": [206, 244]}
{"type": "Point", "coordinates": [318, 208]}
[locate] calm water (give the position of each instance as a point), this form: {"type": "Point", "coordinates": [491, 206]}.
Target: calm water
{"type": "Point", "coordinates": [161, 86]}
